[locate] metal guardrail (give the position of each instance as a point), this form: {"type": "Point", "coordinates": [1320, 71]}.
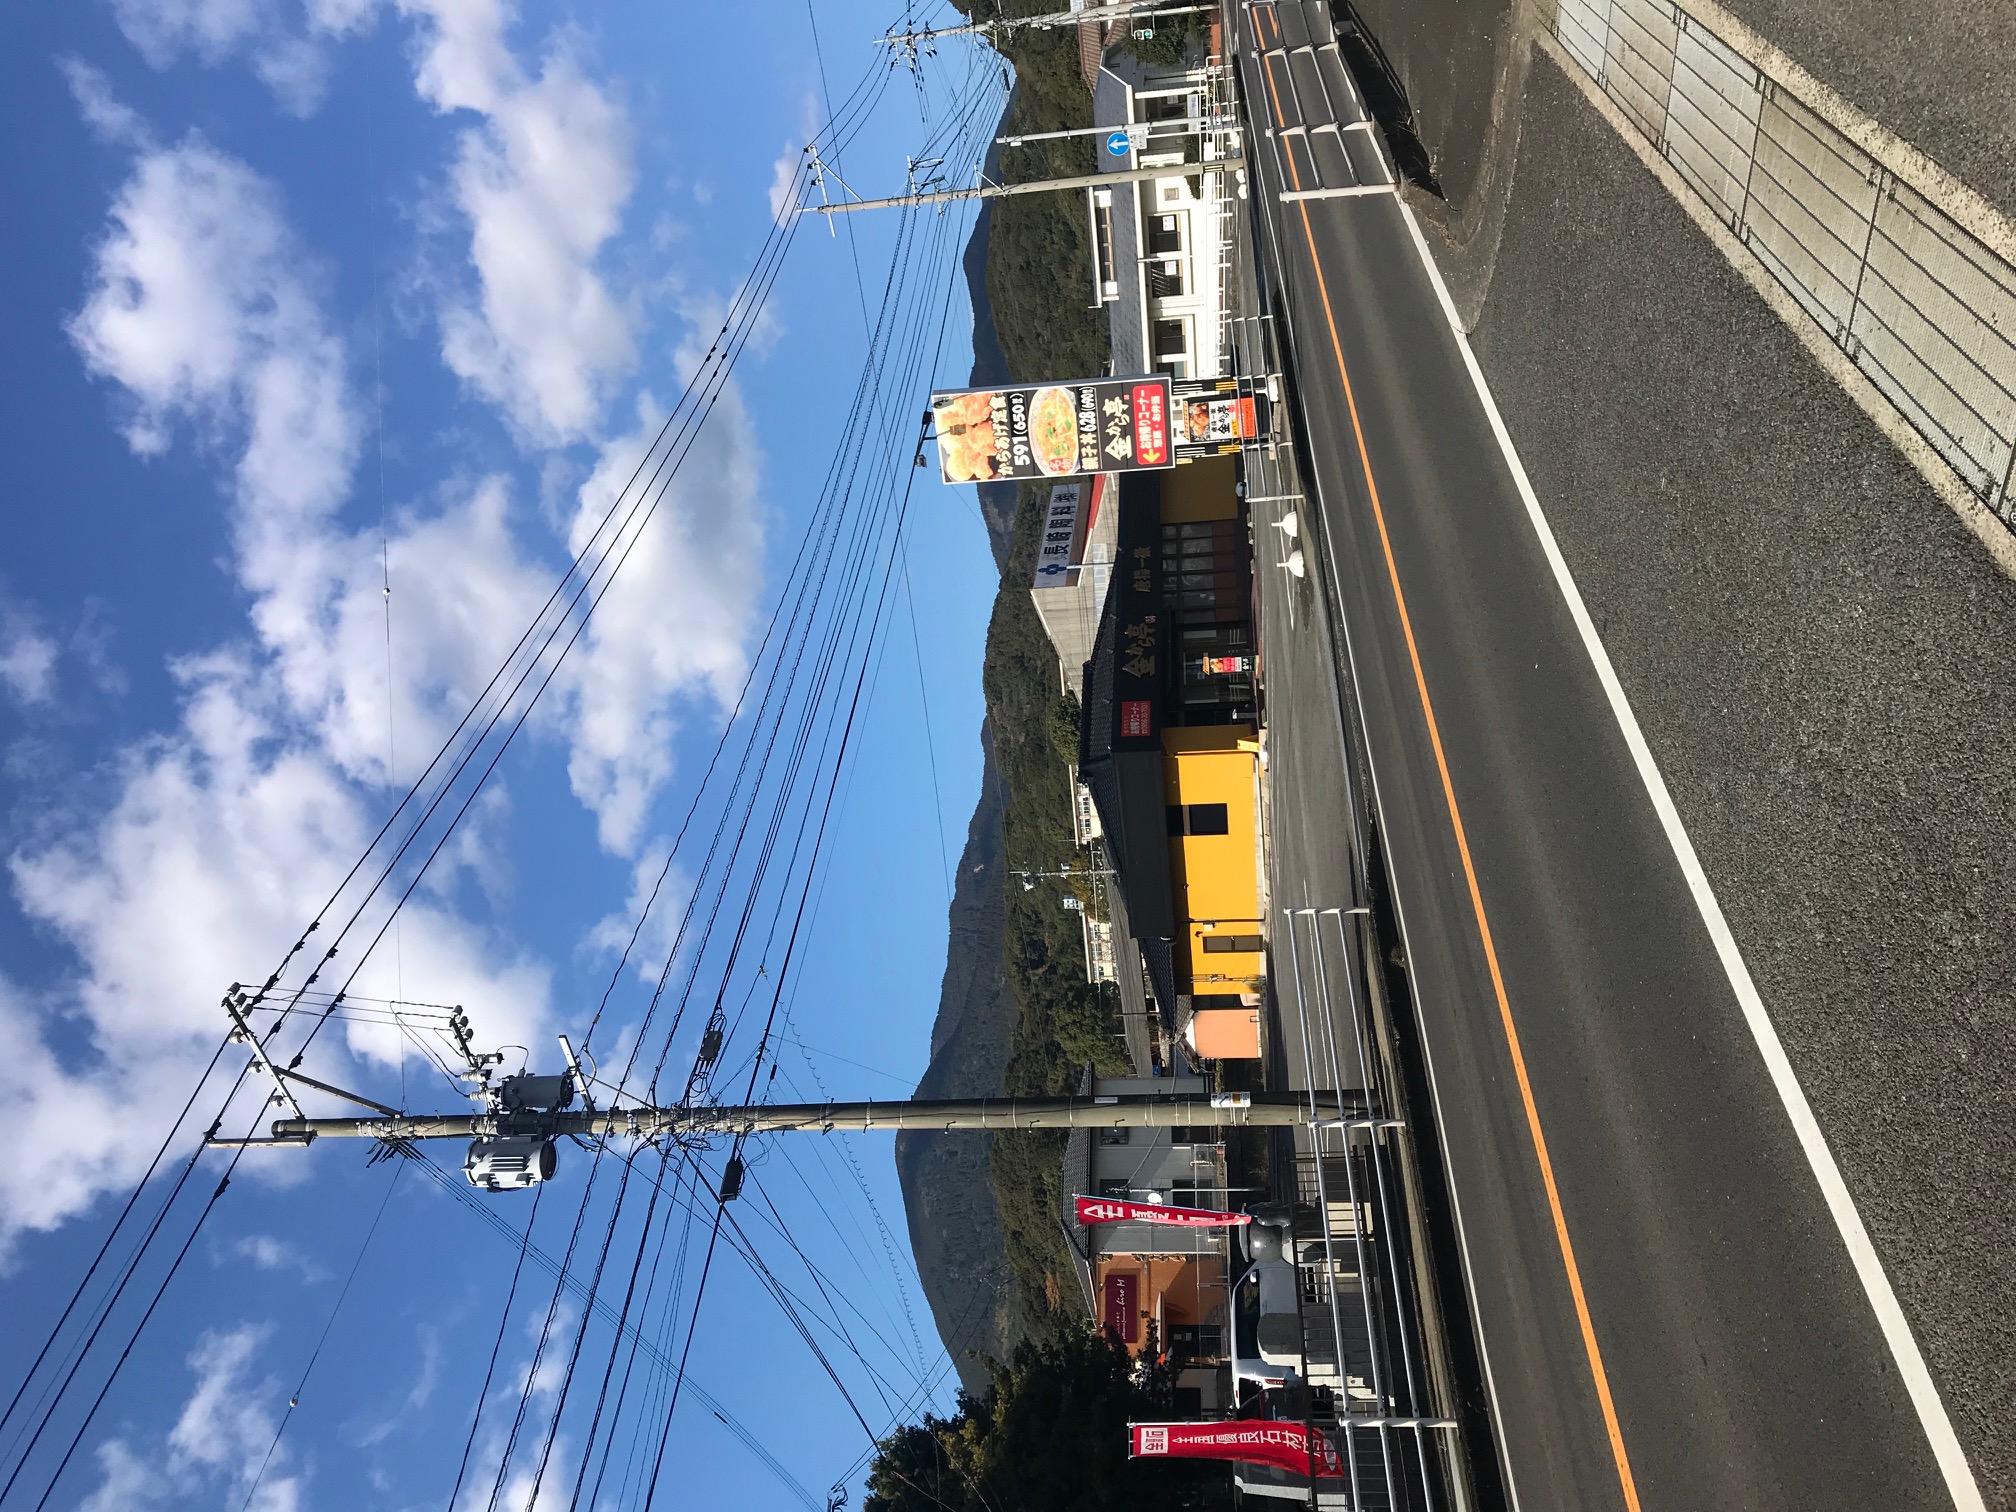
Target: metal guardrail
{"type": "Point", "coordinates": [1918, 303]}
{"type": "Point", "coordinates": [1381, 1395]}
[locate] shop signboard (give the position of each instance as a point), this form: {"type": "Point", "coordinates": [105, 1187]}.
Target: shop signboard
{"type": "Point", "coordinates": [1054, 430]}
{"type": "Point", "coordinates": [1295, 1447]}
{"type": "Point", "coordinates": [1137, 590]}
{"type": "Point", "coordinates": [1121, 1293]}
{"type": "Point", "coordinates": [1219, 418]}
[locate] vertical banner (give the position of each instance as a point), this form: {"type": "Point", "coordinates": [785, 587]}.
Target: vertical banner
{"type": "Point", "coordinates": [1060, 536]}
{"type": "Point", "coordinates": [1122, 1311]}
{"type": "Point", "coordinates": [1294, 1447]}
{"type": "Point", "coordinates": [1054, 430]}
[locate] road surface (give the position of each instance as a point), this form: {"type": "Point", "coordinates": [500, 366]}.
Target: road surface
{"type": "Point", "coordinates": [1669, 1313]}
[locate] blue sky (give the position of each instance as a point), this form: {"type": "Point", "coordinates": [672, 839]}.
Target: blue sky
{"type": "Point", "coordinates": [306, 296]}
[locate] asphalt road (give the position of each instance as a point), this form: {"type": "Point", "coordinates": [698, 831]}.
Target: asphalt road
{"type": "Point", "coordinates": [1669, 1314]}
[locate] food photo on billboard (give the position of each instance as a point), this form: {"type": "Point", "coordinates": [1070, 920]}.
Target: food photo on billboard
{"type": "Point", "coordinates": [1054, 430]}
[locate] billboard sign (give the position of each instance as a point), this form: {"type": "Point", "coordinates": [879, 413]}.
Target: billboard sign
{"type": "Point", "coordinates": [1211, 421]}
{"type": "Point", "coordinates": [1294, 1447]}
{"type": "Point", "coordinates": [1054, 430]}
{"type": "Point", "coordinates": [1111, 1210]}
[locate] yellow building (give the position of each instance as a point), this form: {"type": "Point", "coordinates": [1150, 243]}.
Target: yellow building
{"type": "Point", "coordinates": [1169, 745]}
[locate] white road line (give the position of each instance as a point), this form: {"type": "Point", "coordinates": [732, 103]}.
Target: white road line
{"type": "Point", "coordinates": [1854, 1235]}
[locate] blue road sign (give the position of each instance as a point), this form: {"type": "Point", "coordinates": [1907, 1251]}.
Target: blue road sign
{"type": "Point", "coordinates": [1118, 144]}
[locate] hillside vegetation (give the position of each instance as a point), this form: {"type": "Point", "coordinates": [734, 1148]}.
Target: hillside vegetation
{"type": "Point", "coordinates": [1039, 276]}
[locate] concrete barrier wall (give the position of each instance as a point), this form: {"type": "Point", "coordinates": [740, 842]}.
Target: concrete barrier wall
{"type": "Point", "coordinates": [1904, 271]}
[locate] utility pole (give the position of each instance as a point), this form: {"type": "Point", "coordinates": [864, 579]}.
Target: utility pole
{"type": "Point", "coordinates": [512, 1139]}
{"type": "Point", "coordinates": [1134, 1110]}
{"type": "Point", "coordinates": [1182, 126]}
{"type": "Point", "coordinates": [1138, 11]}
{"type": "Point", "coordinates": [1038, 186]}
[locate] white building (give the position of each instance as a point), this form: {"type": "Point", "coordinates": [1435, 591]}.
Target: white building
{"type": "Point", "coordinates": [1162, 248]}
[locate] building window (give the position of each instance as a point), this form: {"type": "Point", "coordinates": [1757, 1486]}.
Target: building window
{"type": "Point", "coordinates": [1199, 819]}
{"type": "Point", "coordinates": [1165, 279]}
{"type": "Point", "coordinates": [1115, 1187]}
{"type": "Point", "coordinates": [1172, 348]}
{"type": "Point", "coordinates": [1114, 1136]}
{"type": "Point", "coordinates": [1165, 236]}
{"type": "Point", "coordinates": [1231, 944]}
{"type": "Point", "coordinates": [1196, 1341]}
{"type": "Point", "coordinates": [1102, 233]}
{"type": "Point", "coordinates": [1193, 1134]}
{"type": "Point", "coordinates": [1204, 637]}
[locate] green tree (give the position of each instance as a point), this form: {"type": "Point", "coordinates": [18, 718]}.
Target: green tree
{"type": "Point", "coordinates": [1169, 42]}
{"type": "Point", "coordinates": [1064, 726]}
{"type": "Point", "coordinates": [1049, 1436]}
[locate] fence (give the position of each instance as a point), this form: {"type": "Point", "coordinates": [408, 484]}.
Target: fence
{"type": "Point", "coordinates": [1917, 302]}
{"type": "Point", "coordinates": [1360, 1330]}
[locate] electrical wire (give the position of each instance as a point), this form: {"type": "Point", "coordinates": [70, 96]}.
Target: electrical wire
{"type": "Point", "coordinates": [307, 1370]}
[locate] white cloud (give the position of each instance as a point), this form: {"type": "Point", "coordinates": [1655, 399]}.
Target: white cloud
{"type": "Point", "coordinates": [27, 658]}
{"type": "Point", "coordinates": [542, 183]}
{"type": "Point", "coordinates": [227, 831]}
{"type": "Point", "coordinates": [791, 159]}
{"type": "Point", "coordinates": [217, 1446]}
{"type": "Point", "coordinates": [674, 622]}
{"type": "Point", "coordinates": [422, 1391]}
{"type": "Point", "coordinates": [286, 42]}
{"type": "Point", "coordinates": [203, 312]}
{"type": "Point", "coordinates": [109, 118]}
{"type": "Point", "coordinates": [273, 1254]}
{"type": "Point", "coordinates": [784, 178]}
{"type": "Point", "coordinates": [223, 839]}
{"type": "Point", "coordinates": [199, 310]}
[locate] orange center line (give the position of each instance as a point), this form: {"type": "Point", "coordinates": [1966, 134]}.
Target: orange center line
{"type": "Point", "coordinates": [1589, 1344]}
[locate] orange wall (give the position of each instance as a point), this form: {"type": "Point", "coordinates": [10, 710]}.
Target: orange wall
{"type": "Point", "coordinates": [1216, 877]}
{"type": "Point", "coordinates": [1191, 1288]}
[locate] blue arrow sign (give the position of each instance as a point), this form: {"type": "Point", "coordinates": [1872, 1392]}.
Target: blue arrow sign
{"type": "Point", "coordinates": [1118, 144]}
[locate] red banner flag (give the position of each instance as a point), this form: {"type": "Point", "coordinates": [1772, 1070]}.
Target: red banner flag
{"type": "Point", "coordinates": [1111, 1210]}
{"type": "Point", "coordinates": [1293, 1447]}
